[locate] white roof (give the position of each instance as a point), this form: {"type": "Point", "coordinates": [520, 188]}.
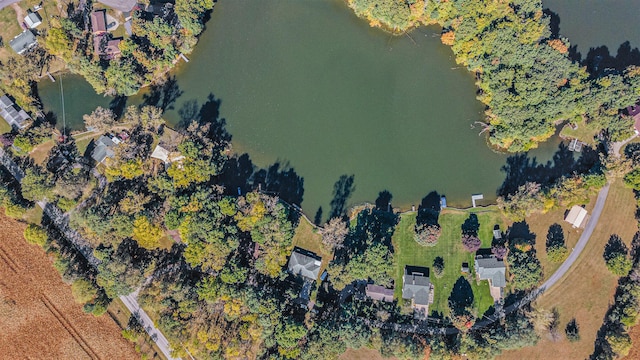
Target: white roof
{"type": "Point", "coordinates": [160, 153]}
{"type": "Point", "coordinates": [33, 20]}
{"type": "Point", "coordinates": [576, 216]}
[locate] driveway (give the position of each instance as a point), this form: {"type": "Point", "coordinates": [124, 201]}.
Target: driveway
{"type": "Point", "coordinates": [5, 3]}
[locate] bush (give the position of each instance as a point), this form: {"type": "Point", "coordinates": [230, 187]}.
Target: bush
{"type": "Point", "coordinates": [83, 291]}
{"type": "Point", "coordinates": [438, 266]}
{"type": "Point", "coordinates": [427, 235]}
{"type": "Point", "coordinates": [66, 204]}
{"type": "Point", "coordinates": [35, 234]}
{"type": "Point", "coordinates": [13, 210]}
{"type": "Point", "coordinates": [471, 243]}
{"type": "Point", "coordinates": [572, 331]}
{"type": "Point", "coordinates": [557, 254]}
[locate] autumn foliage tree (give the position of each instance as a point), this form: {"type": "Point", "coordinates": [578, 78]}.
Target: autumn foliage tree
{"type": "Point", "coordinates": [334, 233]}
{"type": "Point", "coordinates": [471, 243]}
{"type": "Point", "coordinates": [146, 234]}
{"type": "Point", "coordinates": [427, 234]}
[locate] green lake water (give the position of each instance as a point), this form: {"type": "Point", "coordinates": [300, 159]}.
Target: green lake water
{"type": "Point", "coordinates": [308, 84]}
{"type": "Point", "coordinates": [593, 23]}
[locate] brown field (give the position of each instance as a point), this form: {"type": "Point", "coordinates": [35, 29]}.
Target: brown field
{"type": "Point", "coordinates": [362, 354]}
{"type": "Point", "coordinates": [587, 289]}
{"type": "Point", "coordinates": [38, 316]}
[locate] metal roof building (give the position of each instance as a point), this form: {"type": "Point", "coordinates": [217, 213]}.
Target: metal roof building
{"type": "Point", "coordinates": [12, 113]}
{"type": "Point", "coordinates": [305, 263]}
{"type": "Point", "coordinates": [23, 42]}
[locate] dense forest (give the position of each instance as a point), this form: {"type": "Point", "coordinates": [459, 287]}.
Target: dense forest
{"type": "Point", "coordinates": [525, 74]}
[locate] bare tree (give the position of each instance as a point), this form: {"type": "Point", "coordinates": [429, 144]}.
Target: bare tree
{"type": "Point", "coordinates": [100, 120]}
{"type": "Point", "coordinates": [334, 233]}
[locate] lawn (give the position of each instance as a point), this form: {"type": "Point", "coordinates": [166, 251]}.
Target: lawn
{"type": "Point", "coordinates": [307, 238]}
{"type": "Point", "coordinates": [587, 290]}
{"type": "Point", "coordinates": [40, 152]}
{"type": "Point", "coordinates": [4, 127]}
{"type": "Point", "coordinates": [583, 133]}
{"type": "Point", "coordinates": [449, 247]}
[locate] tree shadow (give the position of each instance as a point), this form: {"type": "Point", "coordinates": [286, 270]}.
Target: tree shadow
{"type": "Point", "coordinates": [164, 94]}
{"type": "Point", "coordinates": [520, 232]}
{"type": "Point", "coordinates": [555, 236]}
{"type": "Point", "coordinates": [188, 113]}
{"type": "Point", "coordinates": [599, 61]}
{"type": "Point", "coordinates": [317, 219]}
{"type": "Point", "coordinates": [118, 104]}
{"type": "Point", "coordinates": [635, 247]}
{"type": "Point", "coordinates": [614, 247]}
{"type": "Point", "coordinates": [383, 202]}
{"type": "Point", "coordinates": [342, 191]}
{"type": "Point", "coordinates": [471, 225]}
{"type": "Point", "coordinates": [429, 209]}
{"type": "Point", "coordinates": [461, 297]}
{"type": "Point", "coordinates": [520, 168]}
{"type": "Point", "coordinates": [282, 180]}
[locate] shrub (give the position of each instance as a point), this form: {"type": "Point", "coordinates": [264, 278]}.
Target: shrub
{"type": "Point", "coordinates": [438, 266]}
{"type": "Point", "coordinates": [427, 235]}
{"type": "Point", "coordinates": [572, 331]}
{"type": "Point", "coordinates": [557, 254]}
{"type": "Point", "coordinates": [471, 243]}
{"type": "Point", "coordinates": [66, 204]}
{"type": "Point", "coordinates": [499, 250]}
{"type": "Point", "coordinates": [35, 234]}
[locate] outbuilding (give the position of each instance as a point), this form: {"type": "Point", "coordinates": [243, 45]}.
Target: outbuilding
{"type": "Point", "coordinates": [33, 20]}
{"type": "Point", "coordinates": [577, 217]}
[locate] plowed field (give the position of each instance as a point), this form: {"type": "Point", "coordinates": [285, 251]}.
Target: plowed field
{"type": "Point", "coordinates": [38, 316]}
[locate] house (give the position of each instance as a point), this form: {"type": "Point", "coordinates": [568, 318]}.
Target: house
{"type": "Point", "coordinates": [305, 264]}
{"type": "Point", "coordinates": [99, 22]}
{"type": "Point", "coordinates": [380, 293]}
{"type": "Point", "coordinates": [120, 5]}
{"type": "Point", "coordinates": [577, 217]}
{"type": "Point", "coordinates": [165, 155]}
{"type": "Point", "coordinates": [23, 42]}
{"type": "Point", "coordinates": [13, 114]}
{"type": "Point", "coordinates": [103, 148]}
{"type": "Point", "coordinates": [33, 20]}
{"type": "Point", "coordinates": [489, 267]}
{"type": "Point", "coordinates": [634, 111]}
{"type": "Point", "coordinates": [417, 288]}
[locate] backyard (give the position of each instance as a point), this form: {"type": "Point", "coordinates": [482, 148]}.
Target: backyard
{"type": "Point", "coordinates": [449, 247]}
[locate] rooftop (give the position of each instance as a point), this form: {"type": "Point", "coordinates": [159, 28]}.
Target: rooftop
{"type": "Point", "coordinates": [23, 42]}
{"type": "Point", "coordinates": [33, 20]}
{"type": "Point", "coordinates": [99, 21]}
{"type": "Point", "coordinates": [103, 149]}
{"type": "Point", "coordinates": [12, 113]}
{"type": "Point", "coordinates": [576, 216]}
{"type": "Point", "coordinates": [304, 263]}
{"type": "Point", "coordinates": [416, 284]}
{"type": "Point", "coordinates": [121, 5]}
{"type": "Point", "coordinates": [490, 268]}
{"type": "Point", "coordinates": [380, 293]}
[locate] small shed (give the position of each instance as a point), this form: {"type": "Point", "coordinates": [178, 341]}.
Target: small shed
{"type": "Point", "coordinates": [33, 20]}
{"type": "Point", "coordinates": [577, 216]}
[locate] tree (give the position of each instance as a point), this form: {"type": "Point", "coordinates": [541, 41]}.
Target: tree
{"type": "Point", "coordinates": [616, 256]}
{"type": "Point", "coordinates": [83, 291]}
{"type": "Point", "coordinates": [499, 250]}
{"type": "Point", "coordinates": [632, 179]}
{"type": "Point", "coordinates": [100, 120]}
{"type": "Point", "coordinates": [37, 184]}
{"type": "Point", "coordinates": [471, 243]}
{"type": "Point", "coordinates": [525, 269]}
{"type": "Point", "coordinates": [191, 13]}
{"type": "Point", "coordinates": [438, 266]}
{"type": "Point", "coordinates": [572, 331]}
{"type": "Point", "coordinates": [427, 234]}
{"type": "Point", "coordinates": [334, 233]}
{"type": "Point", "coordinates": [620, 342]}
{"type": "Point", "coordinates": [146, 234]}
{"type": "Point", "coordinates": [35, 234]}
{"type": "Point", "coordinates": [556, 248]}
{"type": "Point", "coordinates": [525, 201]}
{"type": "Point", "coordinates": [288, 337]}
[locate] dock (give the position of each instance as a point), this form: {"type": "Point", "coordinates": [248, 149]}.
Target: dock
{"type": "Point", "coordinates": [184, 57]}
{"type": "Point", "coordinates": [51, 77]}
{"type": "Point", "coordinates": [575, 145]}
{"type": "Point", "coordinates": [475, 197]}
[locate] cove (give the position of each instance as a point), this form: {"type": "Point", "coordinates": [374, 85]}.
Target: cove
{"type": "Point", "coordinates": [306, 83]}
{"type": "Point", "coordinates": [594, 23]}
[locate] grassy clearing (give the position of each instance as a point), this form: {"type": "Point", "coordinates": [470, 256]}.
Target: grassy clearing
{"type": "Point", "coordinates": [362, 354]}
{"type": "Point", "coordinates": [587, 289]}
{"type": "Point", "coordinates": [40, 152]}
{"type": "Point", "coordinates": [4, 127]}
{"type": "Point", "coordinates": [583, 133]}
{"type": "Point", "coordinates": [449, 247]}
{"type": "Point", "coordinates": [307, 238]}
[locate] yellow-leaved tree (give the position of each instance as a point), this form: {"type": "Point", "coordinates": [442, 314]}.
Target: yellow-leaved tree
{"type": "Point", "coordinates": [146, 234]}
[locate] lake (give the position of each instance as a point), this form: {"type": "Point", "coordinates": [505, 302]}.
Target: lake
{"type": "Point", "coordinates": [306, 83]}
{"type": "Point", "coordinates": [593, 23]}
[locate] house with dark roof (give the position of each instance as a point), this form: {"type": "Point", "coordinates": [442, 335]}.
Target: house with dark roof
{"type": "Point", "coordinates": [13, 114]}
{"type": "Point", "coordinates": [99, 22]}
{"type": "Point", "coordinates": [121, 5]}
{"type": "Point", "coordinates": [23, 42]}
{"type": "Point", "coordinates": [379, 293]}
{"type": "Point", "coordinates": [417, 287]}
{"type": "Point", "coordinates": [305, 264]}
{"type": "Point", "coordinates": [104, 148]}
{"type": "Point", "coordinates": [634, 111]}
{"type": "Point", "coordinates": [102, 45]}
{"type": "Point", "coordinates": [490, 268]}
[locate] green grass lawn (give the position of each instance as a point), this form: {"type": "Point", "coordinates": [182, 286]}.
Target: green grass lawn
{"type": "Point", "coordinates": [4, 127]}
{"type": "Point", "coordinates": [306, 237]}
{"type": "Point", "coordinates": [449, 247]}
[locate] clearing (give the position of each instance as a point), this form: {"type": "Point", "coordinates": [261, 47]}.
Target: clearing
{"type": "Point", "coordinates": [449, 247]}
{"type": "Point", "coordinates": [38, 314]}
{"type": "Point", "coordinates": [587, 289]}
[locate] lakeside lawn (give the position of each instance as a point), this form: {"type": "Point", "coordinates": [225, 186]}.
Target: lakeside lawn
{"type": "Point", "coordinates": [4, 127]}
{"type": "Point", "coordinates": [449, 247]}
{"type": "Point", "coordinates": [307, 238]}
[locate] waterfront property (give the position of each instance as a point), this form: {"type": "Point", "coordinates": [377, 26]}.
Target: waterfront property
{"type": "Point", "coordinates": [13, 114]}
{"type": "Point", "coordinates": [102, 45]}
{"type": "Point", "coordinates": [492, 269]}
{"type": "Point", "coordinates": [120, 5]}
{"type": "Point", "coordinates": [577, 217]}
{"type": "Point", "coordinates": [104, 148]}
{"type": "Point", "coordinates": [417, 288]}
{"type": "Point", "coordinates": [379, 293]}
{"type": "Point", "coordinates": [305, 264]}
{"type": "Point", "coordinates": [23, 42]}
{"type": "Point", "coordinates": [634, 111]}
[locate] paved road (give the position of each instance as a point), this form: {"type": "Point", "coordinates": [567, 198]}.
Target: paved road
{"type": "Point", "coordinates": [582, 242]}
{"type": "Point", "coordinates": [131, 302]}
{"type": "Point", "coordinates": [5, 3]}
